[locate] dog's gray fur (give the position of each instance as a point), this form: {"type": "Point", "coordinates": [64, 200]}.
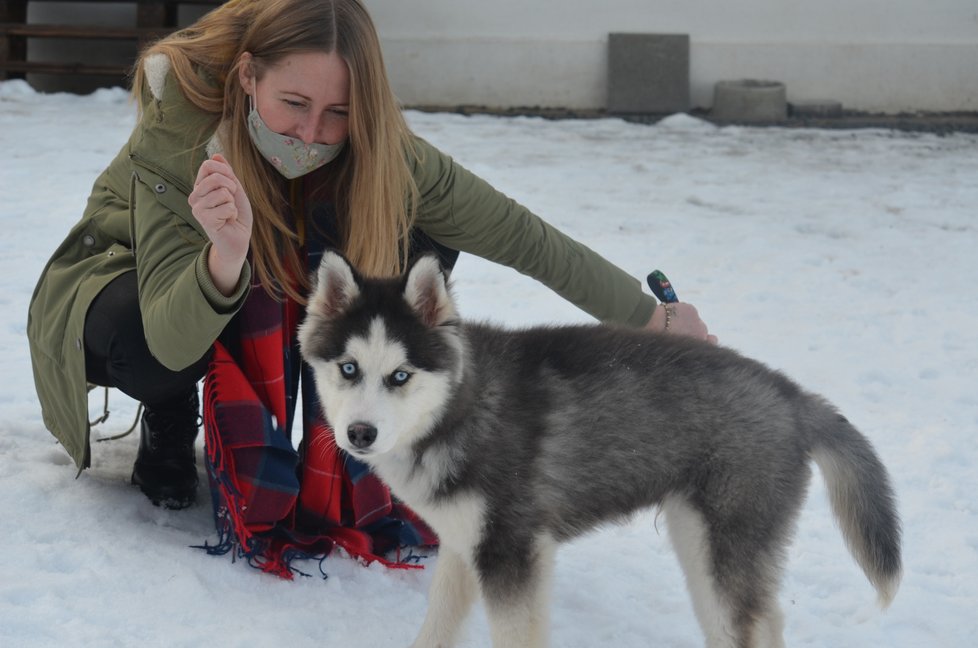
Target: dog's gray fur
{"type": "Point", "coordinates": [510, 442]}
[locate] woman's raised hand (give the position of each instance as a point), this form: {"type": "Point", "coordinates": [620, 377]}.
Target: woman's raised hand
{"type": "Point", "coordinates": [222, 208]}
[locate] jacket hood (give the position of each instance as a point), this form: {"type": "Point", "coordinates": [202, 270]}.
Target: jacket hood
{"type": "Point", "coordinates": [157, 68]}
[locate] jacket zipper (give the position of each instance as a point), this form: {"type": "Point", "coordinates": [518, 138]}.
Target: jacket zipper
{"type": "Point", "coordinates": [132, 213]}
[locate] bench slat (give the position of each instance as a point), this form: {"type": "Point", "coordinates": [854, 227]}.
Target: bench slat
{"type": "Point", "coordinates": [81, 31]}
{"type": "Point", "coordinates": [40, 67]}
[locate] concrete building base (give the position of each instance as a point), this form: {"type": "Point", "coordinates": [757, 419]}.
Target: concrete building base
{"type": "Point", "coordinates": [749, 100]}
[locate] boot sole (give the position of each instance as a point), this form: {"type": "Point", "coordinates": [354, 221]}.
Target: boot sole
{"type": "Point", "coordinates": [167, 498]}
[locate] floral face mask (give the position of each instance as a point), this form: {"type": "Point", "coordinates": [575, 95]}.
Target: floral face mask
{"type": "Point", "coordinates": [289, 155]}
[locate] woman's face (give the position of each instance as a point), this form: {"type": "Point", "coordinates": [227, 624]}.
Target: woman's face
{"type": "Point", "coordinates": [306, 96]}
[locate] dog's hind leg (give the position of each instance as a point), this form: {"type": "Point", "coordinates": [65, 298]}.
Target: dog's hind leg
{"type": "Point", "coordinates": [517, 597]}
{"type": "Point", "coordinates": [770, 628]}
{"type": "Point", "coordinates": [453, 589]}
{"type": "Point", "coordinates": [733, 568]}
{"type": "Point", "coordinates": [547, 561]}
{"type": "Point", "coordinates": [747, 578]}
{"type": "Point", "coordinates": [690, 540]}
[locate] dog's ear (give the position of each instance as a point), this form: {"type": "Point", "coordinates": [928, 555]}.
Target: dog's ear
{"type": "Point", "coordinates": [426, 292]}
{"type": "Point", "coordinates": [336, 286]}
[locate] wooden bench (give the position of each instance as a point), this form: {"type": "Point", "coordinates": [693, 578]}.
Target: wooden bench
{"type": "Point", "coordinates": [154, 19]}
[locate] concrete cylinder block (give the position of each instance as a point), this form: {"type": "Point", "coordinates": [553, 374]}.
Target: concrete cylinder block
{"type": "Point", "coordinates": [749, 100]}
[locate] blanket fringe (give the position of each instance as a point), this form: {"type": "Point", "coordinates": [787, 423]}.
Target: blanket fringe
{"type": "Point", "coordinates": [262, 554]}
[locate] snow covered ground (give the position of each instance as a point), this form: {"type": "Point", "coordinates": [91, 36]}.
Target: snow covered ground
{"type": "Point", "coordinates": [845, 258]}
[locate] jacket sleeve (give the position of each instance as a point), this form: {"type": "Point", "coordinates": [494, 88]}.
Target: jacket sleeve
{"type": "Point", "coordinates": [462, 211]}
{"type": "Point", "coordinates": [183, 311]}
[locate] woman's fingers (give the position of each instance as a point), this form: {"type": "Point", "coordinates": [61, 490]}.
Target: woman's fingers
{"type": "Point", "coordinates": [212, 199]}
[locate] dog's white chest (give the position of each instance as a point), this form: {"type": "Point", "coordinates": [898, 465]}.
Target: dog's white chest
{"type": "Point", "coordinates": [457, 519]}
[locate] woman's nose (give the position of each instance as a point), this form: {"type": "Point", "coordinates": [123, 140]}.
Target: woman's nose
{"type": "Point", "coordinates": [307, 131]}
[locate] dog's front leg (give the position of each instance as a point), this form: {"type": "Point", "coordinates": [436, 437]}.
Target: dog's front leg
{"type": "Point", "coordinates": [453, 588]}
{"type": "Point", "coordinates": [517, 595]}
{"type": "Point", "coordinates": [517, 621]}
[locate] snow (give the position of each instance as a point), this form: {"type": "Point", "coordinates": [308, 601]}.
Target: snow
{"type": "Point", "coordinates": [844, 258]}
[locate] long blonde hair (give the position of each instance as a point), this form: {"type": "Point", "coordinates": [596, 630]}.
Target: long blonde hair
{"type": "Point", "coordinates": [376, 196]}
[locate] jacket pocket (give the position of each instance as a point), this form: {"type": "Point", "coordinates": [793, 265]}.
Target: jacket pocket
{"type": "Point", "coordinates": [169, 191]}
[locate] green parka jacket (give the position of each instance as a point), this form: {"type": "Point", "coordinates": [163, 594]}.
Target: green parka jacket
{"type": "Point", "coordinates": [138, 218]}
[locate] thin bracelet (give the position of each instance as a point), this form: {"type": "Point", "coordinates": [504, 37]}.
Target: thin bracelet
{"type": "Point", "coordinates": [669, 313]}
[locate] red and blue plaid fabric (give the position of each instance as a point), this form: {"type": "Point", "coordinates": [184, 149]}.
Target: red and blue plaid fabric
{"type": "Point", "coordinates": [272, 503]}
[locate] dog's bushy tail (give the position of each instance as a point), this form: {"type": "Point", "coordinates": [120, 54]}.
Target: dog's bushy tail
{"type": "Point", "coordinates": [861, 496]}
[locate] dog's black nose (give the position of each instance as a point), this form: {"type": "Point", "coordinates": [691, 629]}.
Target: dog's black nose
{"type": "Point", "coordinates": [361, 435]}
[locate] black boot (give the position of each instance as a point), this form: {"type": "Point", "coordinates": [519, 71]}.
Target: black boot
{"type": "Point", "coordinates": [165, 469]}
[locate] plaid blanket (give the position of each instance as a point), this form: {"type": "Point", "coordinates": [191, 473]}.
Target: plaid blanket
{"type": "Point", "coordinates": [273, 503]}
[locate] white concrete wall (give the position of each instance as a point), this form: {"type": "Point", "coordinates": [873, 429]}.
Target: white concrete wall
{"type": "Point", "coordinates": [873, 55]}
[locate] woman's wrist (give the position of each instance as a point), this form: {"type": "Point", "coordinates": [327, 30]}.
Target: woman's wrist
{"type": "Point", "coordinates": [225, 273]}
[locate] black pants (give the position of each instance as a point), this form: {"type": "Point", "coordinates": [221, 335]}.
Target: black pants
{"type": "Point", "coordinates": [116, 353]}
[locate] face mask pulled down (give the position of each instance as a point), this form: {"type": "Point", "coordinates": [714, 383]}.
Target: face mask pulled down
{"type": "Point", "coordinates": [289, 155]}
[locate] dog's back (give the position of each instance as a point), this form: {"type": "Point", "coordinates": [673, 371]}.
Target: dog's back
{"type": "Point", "coordinates": [584, 411]}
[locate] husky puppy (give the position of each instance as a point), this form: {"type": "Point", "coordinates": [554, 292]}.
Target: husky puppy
{"type": "Point", "coordinates": [510, 442]}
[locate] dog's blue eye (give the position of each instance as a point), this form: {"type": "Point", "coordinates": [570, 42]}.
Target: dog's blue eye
{"type": "Point", "coordinates": [349, 370]}
{"type": "Point", "coordinates": [398, 378]}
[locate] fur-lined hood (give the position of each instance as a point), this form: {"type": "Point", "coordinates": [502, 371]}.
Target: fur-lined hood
{"type": "Point", "coordinates": [157, 68]}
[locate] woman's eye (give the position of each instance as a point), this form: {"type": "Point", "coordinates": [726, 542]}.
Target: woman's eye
{"type": "Point", "coordinates": [348, 370]}
{"type": "Point", "coordinates": [398, 378]}
{"type": "Point", "coordinates": [294, 104]}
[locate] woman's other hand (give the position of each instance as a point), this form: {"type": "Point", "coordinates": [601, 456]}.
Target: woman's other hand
{"type": "Point", "coordinates": [680, 318]}
{"type": "Point", "coordinates": [220, 205]}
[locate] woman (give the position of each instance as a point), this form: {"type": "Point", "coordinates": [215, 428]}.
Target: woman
{"type": "Point", "coordinates": [267, 131]}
